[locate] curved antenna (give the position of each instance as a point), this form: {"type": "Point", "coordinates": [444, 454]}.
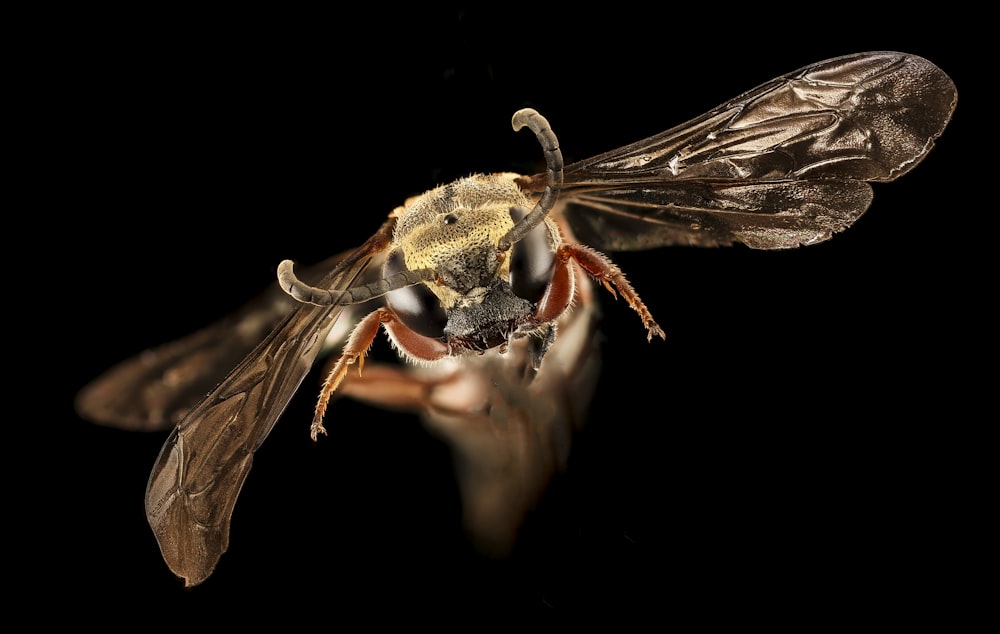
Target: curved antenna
{"type": "Point", "coordinates": [322, 297]}
{"type": "Point", "coordinates": [554, 171]}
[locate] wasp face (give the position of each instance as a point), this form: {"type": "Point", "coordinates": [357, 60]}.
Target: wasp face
{"type": "Point", "coordinates": [480, 297]}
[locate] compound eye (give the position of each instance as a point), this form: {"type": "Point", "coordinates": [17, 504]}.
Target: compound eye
{"type": "Point", "coordinates": [532, 261]}
{"type": "Point", "coordinates": [416, 306]}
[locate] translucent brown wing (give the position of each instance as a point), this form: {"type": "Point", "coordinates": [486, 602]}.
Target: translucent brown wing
{"type": "Point", "coordinates": [198, 475]}
{"type": "Point", "coordinates": [785, 164]}
{"type": "Point", "coordinates": [154, 389]}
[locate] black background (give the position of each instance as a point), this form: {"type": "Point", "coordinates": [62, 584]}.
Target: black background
{"type": "Point", "coordinates": [782, 448]}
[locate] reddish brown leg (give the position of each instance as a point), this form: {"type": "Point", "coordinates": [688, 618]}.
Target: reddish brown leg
{"type": "Point", "coordinates": [416, 346]}
{"type": "Point", "coordinates": [354, 350]}
{"type": "Point", "coordinates": [602, 269]}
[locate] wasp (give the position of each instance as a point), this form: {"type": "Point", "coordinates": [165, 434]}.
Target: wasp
{"type": "Point", "coordinates": [485, 287]}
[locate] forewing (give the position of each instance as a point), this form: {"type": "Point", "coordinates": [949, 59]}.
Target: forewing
{"type": "Point", "coordinates": [784, 164]}
{"type": "Point", "coordinates": [154, 389]}
{"type": "Point", "coordinates": [198, 475]}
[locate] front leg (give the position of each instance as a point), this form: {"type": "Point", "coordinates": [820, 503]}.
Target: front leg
{"type": "Point", "coordinates": [412, 345]}
{"type": "Point", "coordinates": [354, 351]}
{"type": "Point", "coordinates": [602, 269]}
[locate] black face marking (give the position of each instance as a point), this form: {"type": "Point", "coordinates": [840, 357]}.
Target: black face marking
{"type": "Point", "coordinates": [490, 322]}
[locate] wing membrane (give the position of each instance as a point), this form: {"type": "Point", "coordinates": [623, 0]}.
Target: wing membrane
{"type": "Point", "coordinates": [153, 390]}
{"type": "Point", "coordinates": [709, 214]}
{"type": "Point", "coordinates": [711, 181]}
{"type": "Point", "coordinates": [198, 475]}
